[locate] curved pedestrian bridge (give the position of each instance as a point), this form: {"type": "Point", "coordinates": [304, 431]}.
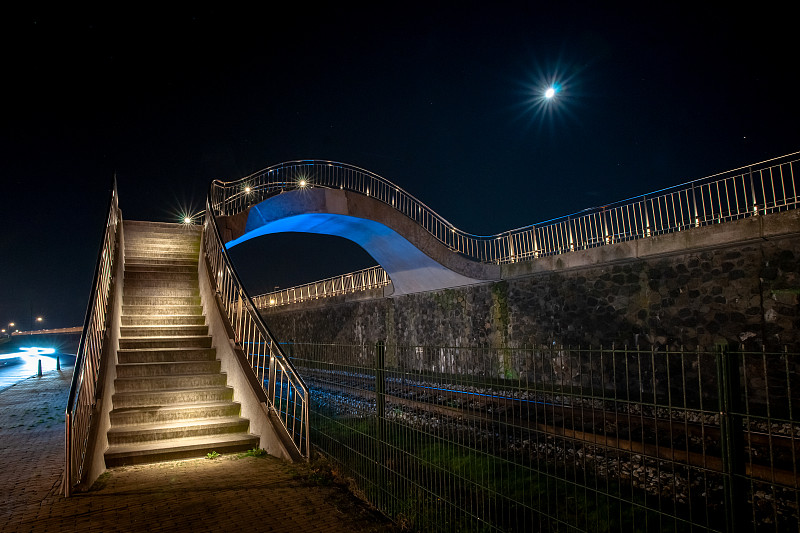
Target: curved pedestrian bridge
{"type": "Point", "coordinates": [413, 258]}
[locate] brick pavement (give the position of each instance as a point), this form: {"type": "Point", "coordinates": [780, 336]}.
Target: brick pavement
{"type": "Point", "coordinates": [231, 493]}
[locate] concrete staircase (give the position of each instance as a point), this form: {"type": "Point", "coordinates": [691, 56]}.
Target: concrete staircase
{"type": "Point", "coordinates": [171, 401]}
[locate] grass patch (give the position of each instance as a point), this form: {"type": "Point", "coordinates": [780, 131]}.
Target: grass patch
{"type": "Point", "coordinates": [101, 482]}
{"type": "Point", "coordinates": [260, 453]}
{"type": "Point", "coordinates": [430, 483]}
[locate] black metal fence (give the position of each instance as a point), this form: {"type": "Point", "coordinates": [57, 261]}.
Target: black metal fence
{"type": "Point", "coordinates": [551, 438]}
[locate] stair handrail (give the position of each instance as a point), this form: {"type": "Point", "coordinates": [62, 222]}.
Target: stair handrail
{"type": "Point", "coordinates": [374, 277]}
{"type": "Point", "coordinates": [759, 188]}
{"type": "Point", "coordinates": [83, 390]}
{"type": "Point", "coordinates": [287, 394]}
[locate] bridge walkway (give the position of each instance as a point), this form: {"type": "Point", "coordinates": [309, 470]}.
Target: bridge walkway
{"type": "Point", "coordinates": [226, 494]}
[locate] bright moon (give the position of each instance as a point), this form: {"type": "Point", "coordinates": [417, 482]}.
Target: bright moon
{"type": "Point", "coordinates": [549, 93]}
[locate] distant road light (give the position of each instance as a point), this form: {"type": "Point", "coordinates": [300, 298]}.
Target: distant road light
{"type": "Point", "coordinates": [549, 93]}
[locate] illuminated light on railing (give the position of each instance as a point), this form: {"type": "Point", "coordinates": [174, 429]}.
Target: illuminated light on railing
{"type": "Point", "coordinates": [736, 194]}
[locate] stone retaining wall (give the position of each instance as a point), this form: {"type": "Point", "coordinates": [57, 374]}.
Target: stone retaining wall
{"type": "Point", "coordinates": [728, 296]}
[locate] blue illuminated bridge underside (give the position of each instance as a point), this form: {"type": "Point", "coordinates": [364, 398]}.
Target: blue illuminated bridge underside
{"type": "Point", "coordinates": [414, 259]}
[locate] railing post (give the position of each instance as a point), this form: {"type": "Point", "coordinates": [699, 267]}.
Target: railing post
{"type": "Point", "coordinates": [380, 408]}
{"type": "Point", "coordinates": [730, 427]}
{"type": "Point", "coordinates": [753, 191]}
{"type": "Point", "coordinates": [272, 374]}
{"type": "Point", "coordinates": [238, 333]}
{"type": "Point", "coordinates": [68, 455]}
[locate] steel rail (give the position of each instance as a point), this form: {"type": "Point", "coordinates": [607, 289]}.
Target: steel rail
{"type": "Point", "coordinates": [83, 391]}
{"type": "Point", "coordinates": [361, 280]}
{"type": "Point", "coordinates": [287, 394]}
{"type": "Point", "coordinates": [551, 412]}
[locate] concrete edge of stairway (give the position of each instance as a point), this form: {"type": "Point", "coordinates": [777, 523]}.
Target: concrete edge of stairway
{"type": "Point", "coordinates": [95, 464]}
{"type": "Point", "coordinates": [249, 394]}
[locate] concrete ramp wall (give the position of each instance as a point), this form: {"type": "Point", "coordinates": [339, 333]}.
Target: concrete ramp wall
{"type": "Point", "coordinates": [247, 391]}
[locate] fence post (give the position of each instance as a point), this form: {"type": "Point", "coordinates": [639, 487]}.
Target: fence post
{"type": "Point", "coordinates": [730, 428]}
{"type": "Point", "coordinates": [380, 419]}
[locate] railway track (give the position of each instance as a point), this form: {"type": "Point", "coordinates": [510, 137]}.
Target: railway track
{"type": "Point", "coordinates": [688, 436]}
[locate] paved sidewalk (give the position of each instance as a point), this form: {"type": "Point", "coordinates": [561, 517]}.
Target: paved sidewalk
{"type": "Point", "coordinates": [231, 493]}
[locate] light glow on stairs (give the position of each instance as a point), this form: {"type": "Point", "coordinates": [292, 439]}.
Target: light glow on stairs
{"type": "Point", "coordinates": [170, 400]}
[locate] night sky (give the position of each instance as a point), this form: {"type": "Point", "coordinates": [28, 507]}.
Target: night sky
{"type": "Point", "coordinates": [443, 99]}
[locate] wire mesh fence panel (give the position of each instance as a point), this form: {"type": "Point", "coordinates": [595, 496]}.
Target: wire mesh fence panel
{"type": "Point", "coordinates": [561, 439]}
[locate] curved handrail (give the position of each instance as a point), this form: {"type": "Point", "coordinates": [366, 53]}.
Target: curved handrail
{"type": "Point", "coordinates": [82, 393]}
{"type": "Point", "coordinates": [373, 277]}
{"type": "Point", "coordinates": [747, 191]}
{"type": "Point", "coordinates": [287, 394]}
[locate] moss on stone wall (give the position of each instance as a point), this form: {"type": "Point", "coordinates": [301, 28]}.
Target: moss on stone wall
{"type": "Point", "coordinates": [727, 296]}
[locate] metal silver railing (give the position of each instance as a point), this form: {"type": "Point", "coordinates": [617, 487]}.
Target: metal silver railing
{"type": "Point", "coordinates": [369, 278]}
{"type": "Point", "coordinates": [83, 392]}
{"type": "Point", "coordinates": [748, 191]}
{"type": "Point", "coordinates": [287, 394]}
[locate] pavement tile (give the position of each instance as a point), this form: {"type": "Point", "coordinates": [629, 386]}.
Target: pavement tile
{"type": "Point", "coordinates": [231, 493]}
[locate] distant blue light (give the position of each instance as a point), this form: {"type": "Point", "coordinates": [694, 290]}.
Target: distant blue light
{"type": "Point", "coordinates": [34, 351]}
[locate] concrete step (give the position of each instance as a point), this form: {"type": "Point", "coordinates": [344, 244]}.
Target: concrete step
{"type": "Point", "coordinates": [121, 400]}
{"type": "Point", "coordinates": [165, 245]}
{"type": "Point", "coordinates": [145, 235]}
{"type": "Point", "coordinates": [164, 355]}
{"type": "Point", "coordinates": [161, 310]}
{"type": "Point", "coordinates": [163, 320]}
{"type": "Point", "coordinates": [170, 450]}
{"type": "Point", "coordinates": [185, 341]}
{"type": "Point", "coordinates": [188, 281]}
{"type": "Point", "coordinates": [172, 413]}
{"type": "Point", "coordinates": [169, 289]}
{"type": "Point", "coordinates": [175, 252]}
{"type": "Point", "coordinates": [160, 262]}
{"type": "Point", "coordinates": [144, 269]}
{"type": "Point", "coordinates": [168, 382]}
{"type": "Point", "coordinates": [162, 239]}
{"type": "Point", "coordinates": [169, 227]}
{"type": "Point", "coordinates": [167, 368]}
{"type": "Point", "coordinates": [166, 301]}
{"type": "Point", "coordinates": [135, 276]}
{"type": "Point", "coordinates": [180, 429]}
{"type": "Point", "coordinates": [162, 331]}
